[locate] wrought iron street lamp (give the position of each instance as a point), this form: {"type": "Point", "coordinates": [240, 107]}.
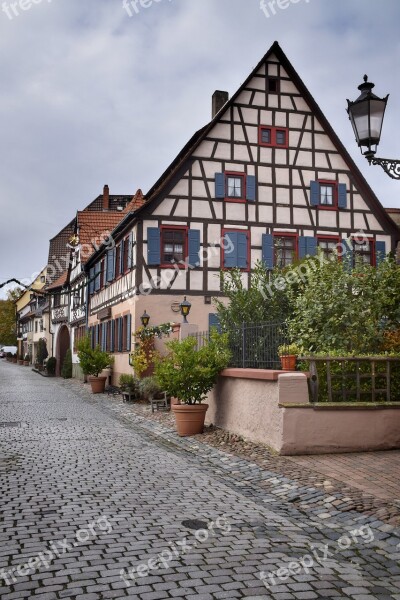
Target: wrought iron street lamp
{"type": "Point", "coordinates": [366, 115]}
{"type": "Point", "coordinates": [145, 319]}
{"type": "Point", "coordinates": [185, 307]}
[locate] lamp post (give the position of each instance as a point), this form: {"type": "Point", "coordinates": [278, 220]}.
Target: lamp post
{"type": "Point", "coordinates": [366, 115]}
{"type": "Point", "coordinates": [145, 319]}
{"type": "Point", "coordinates": [185, 307]}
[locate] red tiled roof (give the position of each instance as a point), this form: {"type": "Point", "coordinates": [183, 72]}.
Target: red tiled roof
{"type": "Point", "coordinates": [94, 227]}
{"type": "Point", "coordinates": [59, 282]}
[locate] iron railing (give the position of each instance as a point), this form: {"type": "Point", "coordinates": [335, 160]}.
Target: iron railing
{"type": "Point", "coordinates": [253, 345]}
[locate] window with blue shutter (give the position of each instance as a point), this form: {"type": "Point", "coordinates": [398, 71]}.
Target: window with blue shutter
{"type": "Point", "coordinates": [121, 257]}
{"type": "Point", "coordinates": [251, 188]}
{"type": "Point", "coordinates": [328, 194]}
{"type": "Point", "coordinates": [153, 246]}
{"type": "Point", "coordinates": [194, 247]}
{"type": "Point", "coordinates": [120, 334]}
{"type": "Point", "coordinates": [96, 335]}
{"type": "Point", "coordinates": [380, 252]}
{"type": "Point", "coordinates": [307, 246]}
{"type": "Point", "coordinates": [236, 250]}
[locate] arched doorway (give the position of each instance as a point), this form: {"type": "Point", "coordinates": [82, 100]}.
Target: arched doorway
{"type": "Point", "coordinates": [63, 344]}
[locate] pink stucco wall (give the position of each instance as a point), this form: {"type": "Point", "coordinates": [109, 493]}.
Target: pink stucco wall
{"type": "Point", "coordinates": [273, 409]}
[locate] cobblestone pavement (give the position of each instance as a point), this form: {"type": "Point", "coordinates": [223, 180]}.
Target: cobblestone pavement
{"type": "Point", "coordinates": [90, 489]}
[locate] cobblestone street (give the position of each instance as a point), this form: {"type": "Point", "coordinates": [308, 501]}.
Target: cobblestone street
{"type": "Point", "coordinates": [99, 502]}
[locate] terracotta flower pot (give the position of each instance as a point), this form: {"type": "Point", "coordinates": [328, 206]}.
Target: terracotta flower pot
{"type": "Point", "coordinates": [26, 363]}
{"type": "Point", "coordinates": [98, 384]}
{"type": "Point", "coordinates": [189, 418]}
{"type": "Point", "coordinates": [20, 362]}
{"type": "Point", "coordinates": [288, 362]}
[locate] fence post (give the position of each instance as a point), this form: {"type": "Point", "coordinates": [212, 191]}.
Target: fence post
{"type": "Point", "coordinates": [243, 345]}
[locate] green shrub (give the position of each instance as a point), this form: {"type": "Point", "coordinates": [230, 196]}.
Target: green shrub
{"type": "Point", "coordinates": [42, 353]}
{"type": "Point", "coordinates": [66, 370]}
{"type": "Point", "coordinates": [129, 383]}
{"type": "Point", "coordinates": [149, 387]}
{"type": "Point", "coordinates": [92, 360]}
{"type": "Point", "coordinates": [51, 366]}
{"type": "Point", "coordinates": [189, 374]}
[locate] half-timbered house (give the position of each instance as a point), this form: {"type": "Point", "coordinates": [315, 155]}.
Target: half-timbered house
{"type": "Point", "coordinates": [267, 179]}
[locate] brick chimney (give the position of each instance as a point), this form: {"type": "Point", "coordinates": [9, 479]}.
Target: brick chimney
{"type": "Point", "coordinates": [106, 198]}
{"type": "Point", "coordinates": [219, 99]}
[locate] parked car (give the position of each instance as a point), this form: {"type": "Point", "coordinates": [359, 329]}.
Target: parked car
{"type": "Point", "coordinates": [5, 349]}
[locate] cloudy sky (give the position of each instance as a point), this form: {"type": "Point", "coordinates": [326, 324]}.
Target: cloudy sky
{"type": "Point", "coordinates": [95, 93]}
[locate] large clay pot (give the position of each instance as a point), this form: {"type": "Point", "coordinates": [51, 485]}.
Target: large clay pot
{"type": "Point", "coordinates": [98, 384]}
{"type": "Point", "coordinates": [20, 362]}
{"type": "Point", "coordinates": [189, 418]}
{"type": "Point", "coordinates": [26, 363]}
{"type": "Point", "coordinates": [288, 362]}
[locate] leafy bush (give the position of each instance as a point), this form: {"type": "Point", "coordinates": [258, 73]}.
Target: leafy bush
{"type": "Point", "coordinates": [66, 370]}
{"type": "Point", "coordinates": [149, 387]}
{"type": "Point", "coordinates": [92, 360]}
{"type": "Point", "coordinates": [128, 383]}
{"type": "Point", "coordinates": [336, 308]}
{"type": "Point", "coordinates": [189, 374]}
{"type": "Point", "coordinates": [42, 352]}
{"type": "Point", "coordinates": [51, 366]}
{"type": "Point", "coordinates": [289, 349]}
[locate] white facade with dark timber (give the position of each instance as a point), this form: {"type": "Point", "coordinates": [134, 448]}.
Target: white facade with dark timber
{"type": "Point", "coordinates": [268, 179]}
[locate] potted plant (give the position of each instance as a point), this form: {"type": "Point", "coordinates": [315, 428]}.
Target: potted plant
{"type": "Point", "coordinates": [42, 354]}
{"type": "Point", "coordinates": [20, 359]}
{"type": "Point", "coordinates": [51, 366]}
{"type": "Point", "coordinates": [66, 371]}
{"type": "Point", "coordinates": [27, 360]}
{"type": "Point", "coordinates": [288, 354]}
{"type": "Point", "coordinates": [93, 361]}
{"type": "Point", "coordinates": [129, 386]}
{"type": "Point", "coordinates": [14, 359]}
{"type": "Point", "coordinates": [189, 374]}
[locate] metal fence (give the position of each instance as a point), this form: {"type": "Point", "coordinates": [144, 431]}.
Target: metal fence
{"type": "Point", "coordinates": [253, 345]}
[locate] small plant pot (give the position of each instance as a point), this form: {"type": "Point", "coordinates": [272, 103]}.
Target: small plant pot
{"type": "Point", "coordinates": [26, 363]}
{"type": "Point", "coordinates": [20, 362]}
{"type": "Point", "coordinates": [189, 418]}
{"type": "Point", "coordinates": [288, 362]}
{"type": "Point", "coordinates": [98, 384]}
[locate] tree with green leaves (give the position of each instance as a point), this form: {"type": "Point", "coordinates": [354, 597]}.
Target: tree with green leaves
{"type": "Point", "coordinates": [66, 371]}
{"type": "Point", "coordinates": [8, 333]}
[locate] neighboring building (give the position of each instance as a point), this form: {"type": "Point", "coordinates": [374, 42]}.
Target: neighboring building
{"type": "Point", "coordinates": [394, 214]}
{"type": "Point", "coordinates": [69, 251]}
{"type": "Point", "coordinates": [33, 323]}
{"type": "Point", "coordinates": [267, 179]}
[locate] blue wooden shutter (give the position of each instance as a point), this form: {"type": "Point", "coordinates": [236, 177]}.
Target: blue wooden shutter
{"type": "Point", "coordinates": [120, 332]}
{"type": "Point", "coordinates": [251, 188]}
{"type": "Point", "coordinates": [121, 257]}
{"type": "Point", "coordinates": [129, 333]}
{"type": "Point", "coordinates": [92, 337]}
{"type": "Point", "coordinates": [342, 195]}
{"type": "Point", "coordinates": [230, 252]}
{"type": "Point", "coordinates": [219, 185]}
{"type": "Point", "coordinates": [96, 335]}
{"type": "Point", "coordinates": [153, 246]}
{"type": "Point", "coordinates": [380, 252]}
{"type": "Point", "coordinates": [112, 336]}
{"type": "Point", "coordinates": [97, 271]}
{"type": "Point", "coordinates": [213, 321]}
{"type": "Point", "coordinates": [91, 281]}
{"type": "Point", "coordinates": [347, 255]}
{"type": "Point", "coordinates": [110, 265]}
{"type": "Point", "coordinates": [130, 250]}
{"type": "Point", "coordinates": [242, 251]}
{"type": "Point", "coordinates": [106, 344]}
{"type": "Point", "coordinates": [194, 247]}
{"type": "Point", "coordinates": [307, 246]}
{"type": "Point", "coordinates": [314, 193]}
{"type": "Point", "coordinates": [268, 250]}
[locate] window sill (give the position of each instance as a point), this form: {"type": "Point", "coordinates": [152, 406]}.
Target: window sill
{"type": "Point", "coordinates": [236, 200]}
